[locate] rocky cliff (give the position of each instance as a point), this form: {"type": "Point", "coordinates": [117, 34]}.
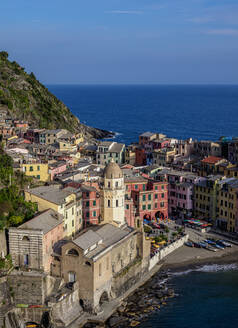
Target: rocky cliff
{"type": "Point", "coordinates": [24, 97]}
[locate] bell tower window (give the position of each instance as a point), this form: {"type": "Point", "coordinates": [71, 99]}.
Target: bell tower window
{"type": "Point", "coordinates": [108, 203]}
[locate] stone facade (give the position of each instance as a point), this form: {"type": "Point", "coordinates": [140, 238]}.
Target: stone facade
{"type": "Point", "coordinates": [30, 288]}
{"type": "Point", "coordinates": [113, 195]}
{"type": "Point", "coordinates": [3, 244]}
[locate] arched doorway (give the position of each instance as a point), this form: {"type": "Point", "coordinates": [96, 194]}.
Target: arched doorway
{"type": "Point", "coordinates": [147, 217]}
{"type": "Point", "coordinates": [45, 320]}
{"type": "Point", "coordinates": [159, 215]}
{"type": "Point", "coordinates": [104, 298]}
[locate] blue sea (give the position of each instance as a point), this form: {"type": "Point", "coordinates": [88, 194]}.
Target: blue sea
{"type": "Point", "coordinates": [207, 298]}
{"type": "Point", "coordinates": [200, 112]}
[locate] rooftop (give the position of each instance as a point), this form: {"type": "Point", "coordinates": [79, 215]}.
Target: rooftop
{"type": "Point", "coordinates": [147, 134]}
{"type": "Point", "coordinates": [45, 221]}
{"type": "Point", "coordinates": [102, 236]}
{"type": "Point", "coordinates": [51, 193]}
{"type": "Point", "coordinates": [212, 160]}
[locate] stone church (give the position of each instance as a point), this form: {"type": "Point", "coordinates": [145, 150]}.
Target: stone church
{"type": "Point", "coordinates": [105, 260]}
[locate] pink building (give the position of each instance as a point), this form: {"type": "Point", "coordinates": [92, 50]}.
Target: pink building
{"type": "Point", "coordinates": [31, 245]}
{"type": "Point", "coordinates": [180, 191]}
{"type": "Point", "coordinates": [57, 168]}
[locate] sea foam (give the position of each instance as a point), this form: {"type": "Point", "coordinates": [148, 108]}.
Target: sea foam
{"type": "Point", "coordinates": [208, 268]}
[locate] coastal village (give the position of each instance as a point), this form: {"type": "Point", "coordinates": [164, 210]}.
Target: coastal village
{"type": "Point", "coordinates": [106, 216]}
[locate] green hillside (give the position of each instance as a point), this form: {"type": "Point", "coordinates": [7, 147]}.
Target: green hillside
{"type": "Point", "coordinates": [26, 98]}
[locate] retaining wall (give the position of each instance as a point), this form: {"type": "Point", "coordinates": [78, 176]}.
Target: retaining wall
{"type": "Point", "coordinates": [166, 251]}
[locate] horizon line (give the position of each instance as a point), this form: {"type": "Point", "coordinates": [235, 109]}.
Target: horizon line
{"type": "Point", "coordinates": [143, 84]}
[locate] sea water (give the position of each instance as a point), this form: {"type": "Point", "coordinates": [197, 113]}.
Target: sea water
{"type": "Point", "coordinates": [200, 112]}
{"type": "Point", "coordinates": [207, 297]}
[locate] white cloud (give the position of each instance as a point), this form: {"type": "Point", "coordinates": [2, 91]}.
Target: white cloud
{"type": "Point", "coordinates": [228, 32]}
{"type": "Point", "coordinates": [124, 12]}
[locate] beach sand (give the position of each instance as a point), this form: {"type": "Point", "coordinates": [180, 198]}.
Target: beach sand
{"type": "Point", "coordinates": [192, 257]}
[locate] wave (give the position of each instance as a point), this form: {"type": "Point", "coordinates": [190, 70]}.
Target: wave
{"type": "Point", "coordinates": [208, 268]}
{"type": "Point", "coordinates": [116, 134]}
{"type": "Point", "coordinates": [218, 267]}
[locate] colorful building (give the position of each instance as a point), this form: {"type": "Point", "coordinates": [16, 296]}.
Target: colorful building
{"type": "Point", "coordinates": [108, 150]}
{"type": "Point", "coordinates": [39, 171]}
{"type": "Point", "coordinates": [60, 200]}
{"type": "Point", "coordinates": [31, 244]}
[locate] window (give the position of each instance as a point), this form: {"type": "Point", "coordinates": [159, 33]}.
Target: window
{"type": "Point", "coordinates": [100, 270]}
{"type": "Point", "coordinates": [87, 214]}
{"type": "Point", "coordinates": [162, 195]}
{"type": "Point", "coordinates": [31, 168]}
{"type": "Point", "coordinates": [108, 203]}
{"type": "Point", "coordinates": [149, 207]}
{"type": "Point", "coordinates": [156, 187]}
{"type": "Point", "coordinates": [149, 197]}
{"type": "Point", "coordinates": [144, 198]}
{"type": "Point", "coordinates": [136, 186]}
{"type": "Point", "coordinates": [72, 210]}
{"type": "Point", "coordinates": [109, 185]}
{"type": "Point", "coordinates": [127, 206]}
{"type": "Point", "coordinates": [38, 168]}
{"type": "Point", "coordinates": [156, 196]}
{"type": "Point", "coordinates": [156, 205]}
{"type": "Point", "coordinates": [94, 213]}
{"type": "Point", "coordinates": [162, 186]}
{"type": "Point", "coordinates": [26, 259]}
{"type": "Point", "coordinates": [38, 177]}
{"type": "Point", "coordinates": [162, 204]}
{"type": "Point", "coordinates": [94, 203]}
{"type": "Point", "coordinates": [72, 277]}
{"type": "Point", "coordinates": [116, 184]}
{"type": "Point", "coordinates": [72, 223]}
{"type": "Point", "coordinates": [87, 204]}
{"type": "Point", "coordinates": [117, 203]}
{"type": "Point", "coordinates": [143, 207]}
{"type": "Point", "coordinates": [144, 187]}
{"type": "Point", "coordinates": [73, 252]}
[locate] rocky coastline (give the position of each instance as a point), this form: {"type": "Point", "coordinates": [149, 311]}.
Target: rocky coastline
{"type": "Point", "coordinates": [137, 307]}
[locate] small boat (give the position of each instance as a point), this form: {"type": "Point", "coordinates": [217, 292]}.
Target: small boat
{"type": "Point", "coordinates": [197, 245]}
{"type": "Point", "coordinates": [203, 245]}
{"type": "Point", "coordinates": [189, 244]}
{"type": "Point", "coordinates": [210, 248]}
{"type": "Point", "coordinates": [210, 242]}
{"type": "Point", "coordinates": [219, 246]}
{"type": "Point", "coordinates": [224, 243]}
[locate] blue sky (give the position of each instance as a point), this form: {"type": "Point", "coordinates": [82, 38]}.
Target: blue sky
{"type": "Point", "coordinates": [123, 41]}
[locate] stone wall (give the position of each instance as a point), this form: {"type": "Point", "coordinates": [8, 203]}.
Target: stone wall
{"type": "Point", "coordinates": [23, 242]}
{"type": "Point", "coordinates": [128, 277]}
{"type": "Point", "coordinates": [66, 310]}
{"type": "Point", "coordinates": [3, 244]}
{"type": "Point", "coordinates": [30, 287]}
{"type": "Point", "coordinates": [166, 251]}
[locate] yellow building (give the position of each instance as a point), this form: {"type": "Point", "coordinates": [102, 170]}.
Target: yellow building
{"type": "Point", "coordinates": [130, 156]}
{"type": "Point", "coordinates": [68, 141]}
{"type": "Point", "coordinates": [205, 198]}
{"type": "Point", "coordinates": [163, 156]}
{"type": "Point", "coordinates": [227, 201]}
{"type": "Point", "coordinates": [63, 201]}
{"type": "Point", "coordinates": [39, 171]}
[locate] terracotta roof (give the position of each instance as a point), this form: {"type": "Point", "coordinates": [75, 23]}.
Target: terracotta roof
{"type": "Point", "coordinates": [211, 160]}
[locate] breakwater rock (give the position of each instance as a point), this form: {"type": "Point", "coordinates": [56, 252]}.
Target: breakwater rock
{"type": "Point", "coordinates": [147, 299]}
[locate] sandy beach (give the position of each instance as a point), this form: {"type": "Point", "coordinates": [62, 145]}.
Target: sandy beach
{"type": "Point", "coordinates": [192, 257]}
